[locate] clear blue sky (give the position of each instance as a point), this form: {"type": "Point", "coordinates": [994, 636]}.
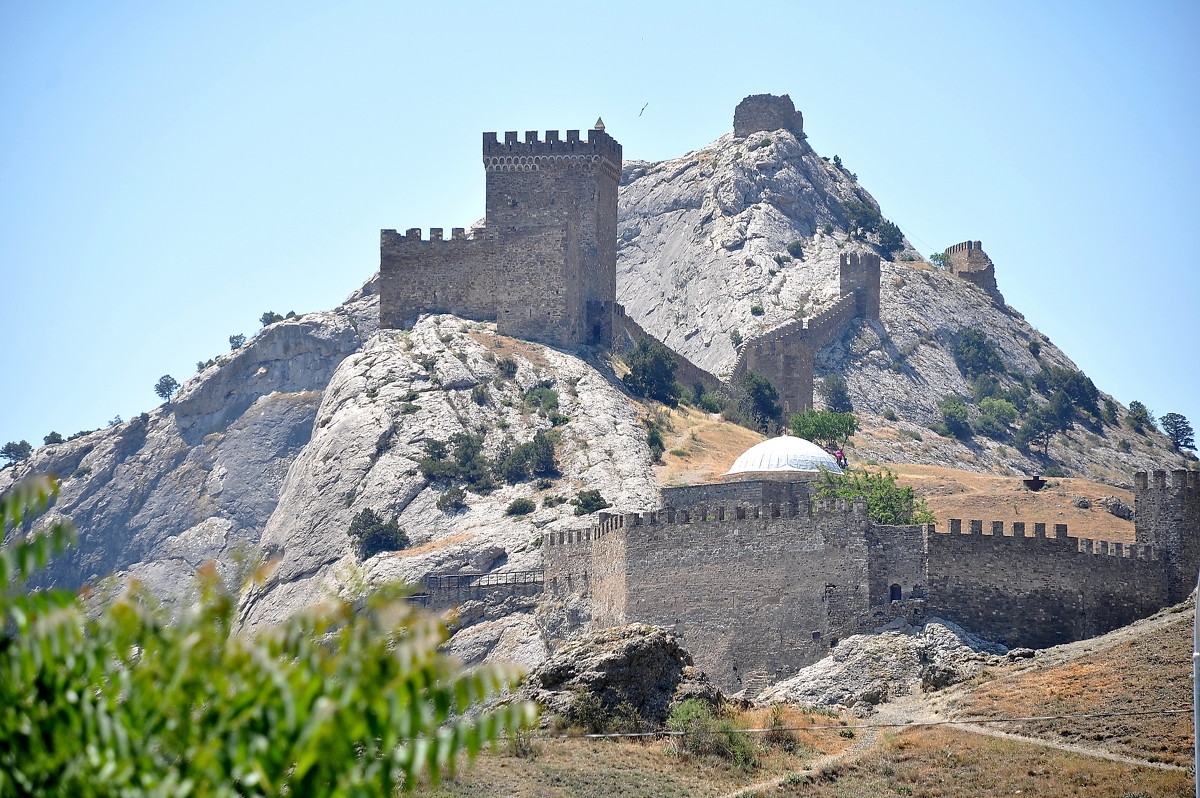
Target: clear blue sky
{"type": "Point", "coordinates": [169, 171]}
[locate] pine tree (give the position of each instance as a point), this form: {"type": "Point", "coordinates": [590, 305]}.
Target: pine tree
{"type": "Point", "coordinates": [1178, 430]}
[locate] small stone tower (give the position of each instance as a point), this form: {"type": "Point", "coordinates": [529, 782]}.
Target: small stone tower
{"type": "Point", "coordinates": [544, 265]}
{"type": "Point", "coordinates": [968, 261]}
{"type": "Point", "coordinates": [1167, 516]}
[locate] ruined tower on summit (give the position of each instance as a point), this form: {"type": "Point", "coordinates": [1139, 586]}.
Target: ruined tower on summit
{"type": "Point", "coordinates": [543, 266]}
{"type": "Point", "coordinates": [766, 112]}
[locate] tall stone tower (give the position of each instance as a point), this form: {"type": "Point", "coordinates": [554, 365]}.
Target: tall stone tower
{"type": "Point", "coordinates": [566, 185]}
{"type": "Point", "coordinates": [1167, 516]}
{"type": "Point", "coordinates": [544, 265]}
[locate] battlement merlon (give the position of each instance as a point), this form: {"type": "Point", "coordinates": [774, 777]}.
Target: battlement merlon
{"type": "Point", "coordinates": [1181, 480]}
{"type": "Point", "coordinates": [393, 238]}
{"type": "Point", "coordinates": [966, 246]}
{"type": "Point", "coordinates": [597, 143]}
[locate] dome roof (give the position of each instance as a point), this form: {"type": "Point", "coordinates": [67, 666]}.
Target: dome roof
{"type": "Point", "coordinates": [782, 455]}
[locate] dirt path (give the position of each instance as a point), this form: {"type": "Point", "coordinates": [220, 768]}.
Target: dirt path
{"type": "Point", "coordinates": [1074, 749]}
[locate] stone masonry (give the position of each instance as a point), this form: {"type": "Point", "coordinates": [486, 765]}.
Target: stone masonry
{"type": "Point", "coordinates": [762, 580]}
{"type": "Point", "coordinates": [968, 261]}
{"type": "Point", "coordinates": [763, 113]}
{"type": "Point", "coordinates": [785, 355]}
{"type": "Point", "coordinates": [543, 267]}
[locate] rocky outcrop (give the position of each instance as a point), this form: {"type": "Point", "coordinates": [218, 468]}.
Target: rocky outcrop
{"type": "Point", "coordinates": [197, 478]}
{"type": "Point", "coordinates": [642, 665]}
{"type": "Point", "coordinates": [382, 406]}
{"type": "Point", "coordinates": [865, 670]}
{"type": "Point", "coordinates": [743, 236]}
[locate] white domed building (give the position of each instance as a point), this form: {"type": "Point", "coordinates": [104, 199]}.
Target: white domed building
{"type": "Point", "coordinates": [787, 456]}
{"type": "Point", "coordinates": [775, 471]}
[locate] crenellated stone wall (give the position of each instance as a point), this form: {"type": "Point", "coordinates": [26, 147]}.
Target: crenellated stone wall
{"type": "Point", "coordinates": [968, 261]}
{"type": "Point", "coordinates": [760, 579]}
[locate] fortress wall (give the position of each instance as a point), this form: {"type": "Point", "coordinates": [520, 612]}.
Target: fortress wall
{"type": "Point", "coordinates": [748, 590]}
{"type": "Point", "coordinates": [968, 261]}
{"type": "Point", "coordinates": [610, 581]}
{"type": "Point", "coordinates": [436, 276]}
{"type": "Point", "coordinates": [626, 335]}
{"type": "Point", "coordinates": [898, 557]}
{"type": "Point", "coordinates": [1039, 590]}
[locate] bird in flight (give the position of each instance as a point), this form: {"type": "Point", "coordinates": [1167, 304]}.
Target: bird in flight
{"type": "Point", "coordinates": [644, 107]}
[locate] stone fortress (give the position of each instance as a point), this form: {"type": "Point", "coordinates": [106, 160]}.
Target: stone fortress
{"type": "Point", "coordinates": [755, 579]}
{"type": "Point", "coordinates": [752, 576]}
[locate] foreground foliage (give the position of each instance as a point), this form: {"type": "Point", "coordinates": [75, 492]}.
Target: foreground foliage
{"type": "Point", "coordinates": [344, 699]}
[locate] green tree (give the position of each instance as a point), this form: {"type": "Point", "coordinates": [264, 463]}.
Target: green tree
{"type": "Point", "coordinates": [1139, 417]}
{"type": "Point", "coordinates": [891, 240]}
{"type": "Point", "coordinates": [887, 502]}
{"type": "Point", "coordinates": [836, 395]}
{"type": "Point", "coordinates": [941, 260]}
{"type": "Point", "coordinates": [166, 387]}
{"type": "Point", "coordinates": [652, 372]}
{"type": "Point", "coordinates": [452, 500]}
{"type": "Point", "coordinates": [1178, 430]}
{"type": "Point", "coordinates": [762, 399]}
{"type": "Point", "coordinates": [955, 416]}
{"type": "Point", "coordinates": [1035, 431]}
{"type": "Point", "coordinates": [861, 215]}
{"type": "Point", "coordinates": [236, 341]}
{"type": "Point", "coordinates": [830, 430]}
{"type": "Point", "coordinates": [344, 699]}
{"type": "Point", "coordinates": [976, 355]}
{"type": "Point", "coordinates": [520, 507]}
{"type": "Point", "coordinates": [796, 249]}
{"type": "Point", "coordinates": [270, 317]}
{"type": "Point", "coordinates": [371, 534]}
{"type": "Point", "coordinates": [16, 451]}
{"type": "Point", "coordinates": [53, 437]}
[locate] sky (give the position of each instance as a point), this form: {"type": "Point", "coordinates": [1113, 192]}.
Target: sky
{"type": "Point", "coordinates": [170, 171]}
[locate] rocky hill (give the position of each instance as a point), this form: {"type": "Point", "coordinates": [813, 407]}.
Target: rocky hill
{"type": "Point", "coordinates": [744, 235]}
{"type": "Point", "coordinates": [278, 445]}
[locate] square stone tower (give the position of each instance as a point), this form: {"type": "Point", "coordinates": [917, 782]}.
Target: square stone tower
{"type": "Point", "coordinates": [544, 265]}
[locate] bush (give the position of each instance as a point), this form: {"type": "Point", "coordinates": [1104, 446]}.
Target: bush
{"type": "Point", "coordinates": [452, 500]}
{"type": "Point", "coordinates": [120, 699]}
{"type": "Point", "coordinates": [705, 735]}
{"type": "Point", "coordinates": [861, 215]}
{"type": "Point", "coordinates": [236, 341]}
{"type": "Point", "coordinates": [889, 415]}
{"type": "Point", "coordinates": [479, 395]}
{"type": "Point", "coordinates": [588, 502]}
{"type": "Point", "coordinates": [652, 372]}
{"type": "Point", "coordinates": [940, 260]}
{"type": "Point", "coordinates": [954, 416]}
{"type": "Point", "coordinates": [756, 310]}
{"type": "Point", "coordinates": [836, 394]}
{"type": "Point", "coordinates": [735, 338]}
{"type": "Point", "coordinates": [53, 437]}
{"type": "Point", "coordinates": [710, 402]}
{"type": "Point", "coordinates": [542, 397]}
{"type": "Point", "coordinates": [654, 440]}
{"type": "Point", "coordinates": [1035, 347]}
{"type": "Point", "coordinates": [507, 367]}
{"type": "Point", "coordinates": [371, 534]}
{"type": "Point", "coordinates": [520, 507]}
{"type": "Point", "coordinates": [1139, 417]}
{"type": "Point", "coordinates": [995, 417]}
{"type": "Point", "coordinates": [796, 249]}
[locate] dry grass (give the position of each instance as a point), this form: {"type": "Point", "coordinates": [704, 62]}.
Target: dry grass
{"type": "Point", "coordinates": [1146, 671]}
{"type": "Point", "coordinates": [433, 545]}
{"type": "Point", "coordinates": [946, 763]}
{"type": "Point", "coordinates": [708, 446]}
{"type": "Point", "coordinates": [575, 768]}
{"type": "Point", "coordinates": [952, 493]}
